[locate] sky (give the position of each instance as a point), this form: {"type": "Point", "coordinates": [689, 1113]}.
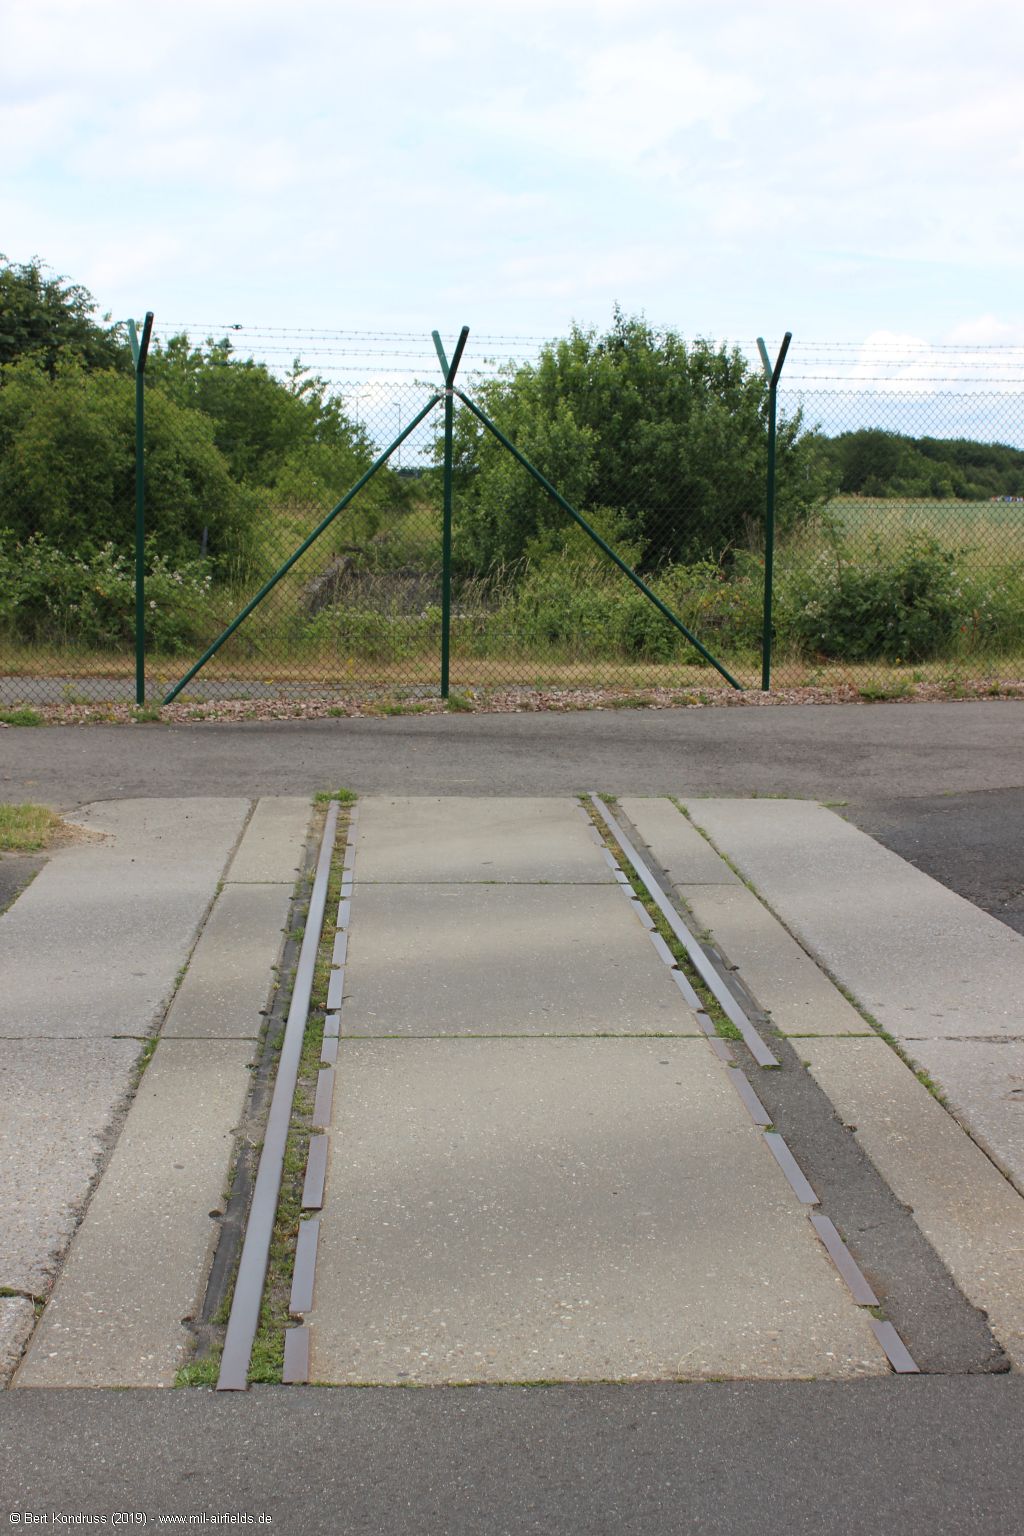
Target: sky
{"type": "Point", "coordinates": [847, 170]}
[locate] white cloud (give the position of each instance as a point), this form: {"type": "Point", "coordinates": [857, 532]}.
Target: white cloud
{"type": "Point", "coordinates": [538, 158]}
{"type": "Point", "coordinates": [986, 330]}
{"type": "Point", "coordinates": [624, 108]}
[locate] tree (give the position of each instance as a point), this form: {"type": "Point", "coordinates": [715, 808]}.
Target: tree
{"type": "Point", "coordinates": [279, 434]}
{"type": "Point", "coordinates": [876, 462]}
{"type": "Point", "coordinates": [50, 318]}
{"type": "Point", "coordinates": [664, 441]}
{"type": "Point", "coordinates": [67, 469]}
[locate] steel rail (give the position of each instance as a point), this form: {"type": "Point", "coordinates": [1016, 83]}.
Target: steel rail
{"type": "Point", "coordinates": [252, 1268]}
{"type": "Point", "coordinates": [701, 961]}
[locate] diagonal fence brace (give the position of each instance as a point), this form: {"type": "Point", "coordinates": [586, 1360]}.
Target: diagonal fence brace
{"type": "Point", "coordinates": [627, 570]}
{"type": "Point", "coordinates": [317, 531]}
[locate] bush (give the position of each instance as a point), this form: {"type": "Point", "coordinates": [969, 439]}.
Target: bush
{"type": "Point", "coordinates": [67, 470]}
{"type": "Point", "coordinates": [585, 606]}
{"type": "Point", "coordinates": [48, 597]}
{"type": "Point", "coordinates": [671, 435]}
{"type": "Point", "coordinates": [898, 605]}
{"type": "Point", "coordinates": [372, 636]}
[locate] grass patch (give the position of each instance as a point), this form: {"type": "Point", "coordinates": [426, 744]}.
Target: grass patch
{"type": "Point", "coordinates": [725, 1027]}
{"type": "Point", "coordinates": [877, 693]}
{"type": "Point", "coordinates": [874, 598]}
{"type": "Point", "coordinates": [26, 828]}
{"type": "Point", "coordinates": [342, 796]}
{"type": "Point", "coordinates": [199, 1373]}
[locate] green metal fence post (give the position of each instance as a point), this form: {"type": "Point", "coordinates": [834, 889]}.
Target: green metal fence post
{"type": "Point", "coordinates": [769, 524]}
{"type": "Point", "coordinates": [140, 351]}
{"type": "Point", "coordinates": [446, 544]}
{"type": "Point", "coordinates": [449, 370]}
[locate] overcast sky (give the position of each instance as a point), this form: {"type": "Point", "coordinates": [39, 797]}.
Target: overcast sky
{"type": "Point", "coordinates": [840, 169]}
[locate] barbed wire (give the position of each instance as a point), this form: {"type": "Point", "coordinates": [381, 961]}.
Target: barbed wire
{"type": "Point", "coordinates": [346, 359]}
{"type": "Point", "coordinates": [422, 338]}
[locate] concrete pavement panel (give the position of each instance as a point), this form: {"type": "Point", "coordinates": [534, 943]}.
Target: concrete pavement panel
{"type": "Point", "coordinates": [93, 947]}
{"type": "Point", "coordinates": [504, 959]}
{"type": "Point", "coordinates": [226, 988]}
{"type": "Point", "coordinates": [983, 1080]}
{"type": "Point", "coordinates": [274, 841]}
{"type": "Point", "coordinates": [60, 1102]}
{"type": "Point", "coordinates": [467, 839]}
{"type": "Point", "coordinates": [139, 1261]}
{"type": "Point", "coordinates": [17, 870]}
{"type": "Point", "coordinates": [564, 1210]}
{"type": "Point", "coordinates": [970, 1213]}
{"type": "Point", "coordinates": [685, 856]}
{"type": "Point", "coordinates": [17, 1319]}
{"type": "Point", "coordinates": [922, 960]}
{"type": "Point", "coordinates": [778, 973]}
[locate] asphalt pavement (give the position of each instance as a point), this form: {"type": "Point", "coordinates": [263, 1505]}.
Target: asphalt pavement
{"type": "Point", "coordinates": [936, 1455]}
{"type": "Point", "coordinates": [860, 753]}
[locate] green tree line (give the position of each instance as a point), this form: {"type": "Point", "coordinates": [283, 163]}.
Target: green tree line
{"type": "Point", "coordinates": [225, 438]}
{"type": "Point", "coordinates": [873, 462]}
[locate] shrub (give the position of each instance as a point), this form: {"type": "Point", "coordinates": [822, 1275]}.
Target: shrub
{"type": "Point", "coordinates": [372, 636]}
{"type": "Point", "coordinates": [50, 597]}
{"type": "Point", "coordinates": [671, 434]}
{"type": "Point", "coordinates": [67, 470]}
{"type": "Point", "coordinates": [902, 604]}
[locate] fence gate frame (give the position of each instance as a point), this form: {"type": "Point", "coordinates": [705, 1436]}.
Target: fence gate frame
{"type": "Point", "coordinates": [448, 395]}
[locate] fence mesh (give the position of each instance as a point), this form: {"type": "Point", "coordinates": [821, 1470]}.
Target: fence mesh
{"type": "Point", "coordinates": [898, 552]}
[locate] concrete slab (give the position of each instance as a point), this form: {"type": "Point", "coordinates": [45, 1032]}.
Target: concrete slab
{"type": "Point", "coordinates": [139, 1261]}
{"type": "Point", "coordinates": [17, 1319]}
{"type": "Point", "coordinates": [273, 843]}
{"type": "Point", "coordinates": [108, 925]}
{"type": "Point", "coordinates": [492, 959]}
{"type": "Point", "coordinates": [685, 856]}
{"type": "Point", "coordinates": [466, 839]}
{"type": "Point", "coordinates": [780, 975]}
{"type": "Point", "coordinates": [922, 960]}
{"type": "Point", "coordinates": [970, 1214]}
{"type": "Point", "coordinates": [564, 1210]}
{"type": "Point", "coordinates": [984, 1083]}
{"type": "Point", "coordinates": [17, 870]}
{"type": "Point", "coordinates": [229, 979]}
{"type": "Point", "coordinates": [60, 1102]}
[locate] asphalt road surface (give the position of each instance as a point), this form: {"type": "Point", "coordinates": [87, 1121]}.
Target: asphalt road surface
{"type": "Point", "coordinates": [936, 1455]}
{"type": "Point", "coordinates": [940, 784]}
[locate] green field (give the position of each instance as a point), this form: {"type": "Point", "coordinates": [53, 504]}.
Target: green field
{"type": "Point", "coordinates": [994, 529]}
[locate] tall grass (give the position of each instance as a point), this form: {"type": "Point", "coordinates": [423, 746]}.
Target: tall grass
{"type": "Point", "coordinates": [933, 585]}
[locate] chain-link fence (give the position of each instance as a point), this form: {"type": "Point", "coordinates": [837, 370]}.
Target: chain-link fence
{"type": "Point", "coordinates": [898, 535]}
